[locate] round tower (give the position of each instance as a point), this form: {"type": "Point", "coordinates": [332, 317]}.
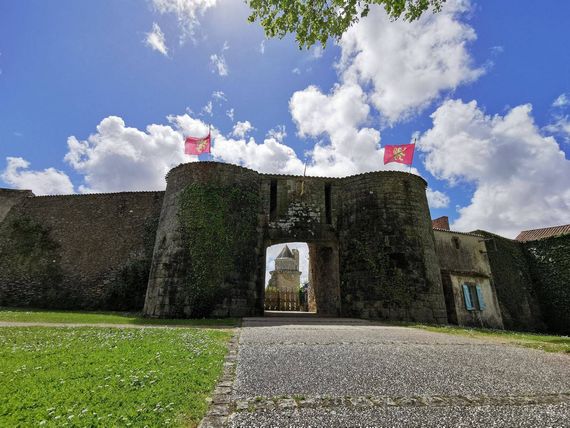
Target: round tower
{"type": "Point", "coordinates": [207, 243]}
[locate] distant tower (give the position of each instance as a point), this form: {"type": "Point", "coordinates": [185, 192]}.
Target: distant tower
{"type": "Point", "coordinates": [286, 276]}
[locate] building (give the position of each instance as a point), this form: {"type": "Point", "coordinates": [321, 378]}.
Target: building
{"type": "Point", "coordinates": [198, 249]}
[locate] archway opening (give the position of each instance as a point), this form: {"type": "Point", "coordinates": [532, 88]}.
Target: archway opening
{"type": "Point", "coordinates": [302, 277]}
{"type": "Point", "coordinates": [287, 285]}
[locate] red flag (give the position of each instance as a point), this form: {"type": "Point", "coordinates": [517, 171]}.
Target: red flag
{"type": "Point", "coordinates": [404, 153]}
{"type": "Point", "coordinates": [197, 146]}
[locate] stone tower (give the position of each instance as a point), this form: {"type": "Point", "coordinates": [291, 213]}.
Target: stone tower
{"type": "Point", "coordinates": [286, 276]}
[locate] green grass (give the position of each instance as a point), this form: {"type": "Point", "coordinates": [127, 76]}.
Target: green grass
{"type": "Point", "coordinates": [76, 317]}
{"type": "Point", "coordinates": [92, 376]}
{"type": "Point", "coordinates": [548, 343]}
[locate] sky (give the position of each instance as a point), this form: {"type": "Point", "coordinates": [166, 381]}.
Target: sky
{"type": "Point", "coordinates": [98, 97]}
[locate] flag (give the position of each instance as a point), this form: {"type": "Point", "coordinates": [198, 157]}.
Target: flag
{"type": "Point", "coordinates": [404, 153]}
{"type": "Point", "coordinates": [197, 146]}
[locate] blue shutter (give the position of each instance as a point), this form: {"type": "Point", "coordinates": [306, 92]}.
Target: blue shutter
{"type": "Point", "coordinates": [467, 297]}
{"type": "Point", "coordinates": [480, 297]}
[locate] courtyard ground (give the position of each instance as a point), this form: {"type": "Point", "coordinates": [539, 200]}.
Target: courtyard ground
{"type": "Point", "coordinates": [326, 372]}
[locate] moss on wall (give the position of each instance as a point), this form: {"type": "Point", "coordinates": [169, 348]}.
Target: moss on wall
{"type": "Point", "coordinates": [513, 283]}
{"type": "Point", "coordinates": [219, 229]}
{"type": "Point", "coordinates": [386, 281]}
{"type": "Point", "coordinates": [127, 290]}
{"type": "Point", "coordinates": [549, 261]}
{"type": "Point", "coordinates": [28, 254]}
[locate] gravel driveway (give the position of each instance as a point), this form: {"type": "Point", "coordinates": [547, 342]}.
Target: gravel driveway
{"type": "Point", "coordinates": [330, 372]}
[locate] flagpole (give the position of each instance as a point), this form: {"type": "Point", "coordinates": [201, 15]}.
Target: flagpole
{"type": "Point", "coordinates": [413, 153]}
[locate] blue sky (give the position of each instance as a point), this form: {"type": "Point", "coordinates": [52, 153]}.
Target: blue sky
{"type": "Point", "coordinates": [96, 97]}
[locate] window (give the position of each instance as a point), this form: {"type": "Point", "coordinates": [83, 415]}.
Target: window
{"type": "Point", "coordinates": [328, 208]}
{"type": "Point", "coordinates": [473, 297]}
{"type": "Point", "coordinates": [455, 240]}
{"type": "Point", "coordinates": [273, 200]}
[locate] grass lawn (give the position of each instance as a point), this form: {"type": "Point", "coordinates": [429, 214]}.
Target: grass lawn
{"type": "Point", "coordinates": [93, 376]}
{"type": "Point", "coordinates": [548, 343]}
{"type": "Point", "coordinates": [75, 317]}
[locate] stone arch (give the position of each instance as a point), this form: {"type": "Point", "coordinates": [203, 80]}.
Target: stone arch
{"type": "Point", "coordinates": [376, 226]}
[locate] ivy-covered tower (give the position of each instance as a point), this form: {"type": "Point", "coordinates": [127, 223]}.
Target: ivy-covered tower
{"type": "Point", "coordinates": [205, 260]}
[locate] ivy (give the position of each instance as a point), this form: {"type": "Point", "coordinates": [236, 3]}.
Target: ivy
{"type": "Point", "coordinates": [219, 229]}
{"type": "Point", "coordinates": [549, 261]}
{"type": "Point", "coordinates": [390, 284]}
{"type": "Point", "coordinates": [30, 252]}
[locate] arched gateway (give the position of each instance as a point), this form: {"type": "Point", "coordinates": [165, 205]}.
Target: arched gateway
{"type": "Point", "coordinates": [370, 240]}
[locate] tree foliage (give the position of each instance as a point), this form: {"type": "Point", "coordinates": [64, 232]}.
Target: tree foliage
{"type": "Point", "coordinates": [315, 21]}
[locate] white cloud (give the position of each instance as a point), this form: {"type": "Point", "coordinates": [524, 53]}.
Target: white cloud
{"type": "Point", "coordinates": [351, 148]}
{"type": "Point", "coordinates": [436, 199]}
{"type": "Point", "coordinates": [561, 101]}
{"type": "Point", "coordinates": [155, 40]}
{"type": "Point", "coordinates": [316, 52]}
{"type": "Point", "coordinates": [269, 156]}
{"type": "Point", "coordinates": [219, 65]}
{"type": "Point", "coordinates": [241, 129]}
{"type": "Point", "coordinates": [120, 158]}
{"type": "Point", "coordinates": [296, 70]}
{"type": "Point", "coordinates": [47, 182]}
{"type": "Point", "coordinates": [230, 113]}
{"type": "Point", "coordinates": [207, 109]}
{"type": "Point", "coordinates": [262, 47]}
{"type": "Point", "coordinates": [187, 12]}
{"type": "Point", "coordinates": [279, 133]}
{"type": "Point", "coordinates": [560, 126]}
{"type": "Point", "coordinates": [521, 176]}
{"type": "Point", "coordinates": [219, 96]}
{"type": "Point", "coordinates": [408, 65]}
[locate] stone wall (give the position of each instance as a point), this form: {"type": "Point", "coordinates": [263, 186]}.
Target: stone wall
{"type": "Point", "coordinates": [9, 198]}
{"type": "Point", "coordinates": [208, 244]}
{"type": "Point", "coordinates": [513, 283]}
{"type": "Point", "coordinates": [388, 264]}
{"type": "Point", "coordinates": [78, 251]}
{"type": "Point", "coordinates": [369, 237]}
{"type": "Point", "coordinates": [463, 261]}
{"type": "Point", "coordinates": [549, 261]}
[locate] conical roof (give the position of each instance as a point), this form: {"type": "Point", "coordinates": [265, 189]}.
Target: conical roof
{"type": "Point", "coordinates": [286, 253]}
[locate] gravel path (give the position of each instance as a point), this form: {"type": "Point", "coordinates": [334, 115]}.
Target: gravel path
{"type": "Point", "coordinates": [329, 372]}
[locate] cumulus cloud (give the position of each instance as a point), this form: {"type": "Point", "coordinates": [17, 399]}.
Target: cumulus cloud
{"type": "Point", "coordinates": [561, 101]}
{"type": "Point", "coordinates": [437, 199]}
{"type": "Point", "coordinates": [407, 65]}
{"type": "Point", "coordinates": [350, 147]}
{"type": "Point", "coordinates": [521, 176]}
{"type": "Point", "coordinates": [269, 156]}
{"type": "Point", "coordinates": [119, 158]}
{"type": "Point", "coordinates": [230, 113]}
{"type": "Point", "coordinates": [279, 133]}
{"type": "Point", "coordinates": [155, 40]}
{"type": "Point", "coordinates": [241, 129]}
{"type": "Point", "coordinates": [187, 13]}
{"type": "Point", "coordinates": [47, 182]}
{"type": "Point", "coordinates": [560, 126]}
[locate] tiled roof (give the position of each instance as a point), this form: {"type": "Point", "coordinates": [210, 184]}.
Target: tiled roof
{"type": "Point", "coordinates": [286, 253]}
{"type": "Point", "coordinates": [547, 232]}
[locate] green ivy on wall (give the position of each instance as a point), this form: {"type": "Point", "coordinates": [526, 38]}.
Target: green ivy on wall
{"type": "Point", "coordinates": [30, 252]}
{"type": "Point", "coordinates": [550, 268]}
{"type": "Point", "coordinates": [219, 228]}
{"type": "Point", "coordinates": [128, 291]}
{"type": "Point", "coordinates": [390, 285]}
